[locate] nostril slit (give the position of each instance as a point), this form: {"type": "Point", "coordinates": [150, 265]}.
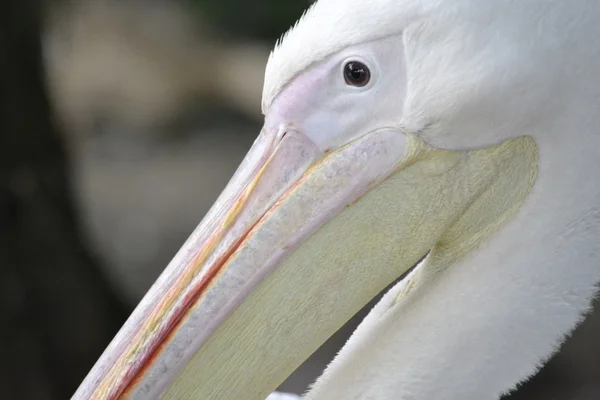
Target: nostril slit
{"type": "Point", "coordinates": [282, 132]}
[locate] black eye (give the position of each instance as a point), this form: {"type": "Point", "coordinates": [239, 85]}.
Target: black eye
{"type": "Point", "coordinates": [356, 74]}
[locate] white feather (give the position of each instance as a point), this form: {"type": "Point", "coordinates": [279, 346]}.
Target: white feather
{"type": "Point", "coordinates": [282, 396]}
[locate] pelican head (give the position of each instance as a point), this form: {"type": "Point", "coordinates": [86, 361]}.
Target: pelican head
{"type": "Point", "coordinates": [460, 132]}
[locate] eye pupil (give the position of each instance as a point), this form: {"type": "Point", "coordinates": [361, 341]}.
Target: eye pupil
{"type": "Point", "coordinates": [356, 74]}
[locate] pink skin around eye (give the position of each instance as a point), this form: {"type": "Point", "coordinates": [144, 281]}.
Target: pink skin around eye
{"type": "Point", "coordinates": [299, 99]}
{"type": "Point", "coordinates": [305, 105]}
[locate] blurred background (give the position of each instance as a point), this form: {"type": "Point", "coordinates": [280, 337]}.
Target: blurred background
{"type": "Point", "coordinates": [120, 123]}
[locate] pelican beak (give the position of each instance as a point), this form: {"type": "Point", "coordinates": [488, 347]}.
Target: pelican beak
{"type": "Point", "coordinates": [298, 242]}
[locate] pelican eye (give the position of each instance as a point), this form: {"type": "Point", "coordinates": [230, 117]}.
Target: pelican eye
{"type": "Point", "coordinates": [356, 74]}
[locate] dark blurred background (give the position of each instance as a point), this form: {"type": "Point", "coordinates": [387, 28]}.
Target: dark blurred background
{"type": "Point", "coordinates": [120, 123]}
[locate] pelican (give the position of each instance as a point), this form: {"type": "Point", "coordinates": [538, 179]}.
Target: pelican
{"type": "Point", "coordinates": [460, 136]}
